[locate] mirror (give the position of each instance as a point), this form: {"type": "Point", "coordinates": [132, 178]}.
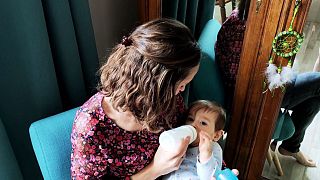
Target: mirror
{"type": "Point", "coordinates": [232, 15]}
{"type": "Point", "coordinates": [216, 71]}
{"type": "Point", "coordinates": [278, 165]}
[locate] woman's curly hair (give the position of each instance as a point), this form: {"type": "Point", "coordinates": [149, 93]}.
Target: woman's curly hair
{"type": "Point", "coordinates": [142, 73]}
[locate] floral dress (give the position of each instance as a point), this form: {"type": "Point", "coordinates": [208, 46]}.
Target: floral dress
{"type": "Point", "coordinates": [101, 148]}
{"type": "Point", "coordinates": [228, 50]}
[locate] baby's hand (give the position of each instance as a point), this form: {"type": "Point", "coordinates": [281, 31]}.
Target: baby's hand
{"type": "Point", "coordinates": [205, 147]}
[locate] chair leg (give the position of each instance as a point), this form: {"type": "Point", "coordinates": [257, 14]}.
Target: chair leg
{"type": "Point", "coordinates": [269, 157]}
{"type": "Point", "coordinates": [234, 4]}
{"type": "Point", "coordinates": [222, 4]}
{"type": "Point", "coordinates": [277, 164]}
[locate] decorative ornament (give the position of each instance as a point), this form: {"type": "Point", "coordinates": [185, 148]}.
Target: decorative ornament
{"type": "Point", "coordinates": [286, 45]}
{"type": "Point", "coordinates": [126, 41]}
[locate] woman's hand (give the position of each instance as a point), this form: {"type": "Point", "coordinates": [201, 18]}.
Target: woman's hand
{"type": "Point", "coordinates": [165, 161]}
{"type": "Point", "coordinates": [205, 147]}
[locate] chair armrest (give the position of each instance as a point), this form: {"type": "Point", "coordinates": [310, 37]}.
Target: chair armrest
{"type": "Point", "coordinates": [51, 143]}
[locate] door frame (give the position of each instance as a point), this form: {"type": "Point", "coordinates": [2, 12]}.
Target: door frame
{"type": "Point", "coordinates": [149, 9]}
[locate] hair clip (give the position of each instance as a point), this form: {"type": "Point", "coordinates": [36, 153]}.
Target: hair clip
{"type": "Point", "coordinates": [126, 41]}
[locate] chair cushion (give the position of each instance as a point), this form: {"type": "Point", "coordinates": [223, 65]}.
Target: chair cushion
{"type": "Point", "coordinates": [50, 139]}
{"type": "Point", "coordinates": [207, 83]}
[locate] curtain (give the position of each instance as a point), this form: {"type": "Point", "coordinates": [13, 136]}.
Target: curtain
{"type": "Point", "coordinates": [193, 13]}
{"type": "Point", "coordinates": [48, 64]}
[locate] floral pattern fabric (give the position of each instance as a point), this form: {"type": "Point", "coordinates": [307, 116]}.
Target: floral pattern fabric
{"type": "Point", "coordinates": [102, 149]}
{"type": "Point", "coordinates": [228, 50]}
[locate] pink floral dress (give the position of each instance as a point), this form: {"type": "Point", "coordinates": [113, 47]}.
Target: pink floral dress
{"type": "Point", "coordinates": [102, 149]}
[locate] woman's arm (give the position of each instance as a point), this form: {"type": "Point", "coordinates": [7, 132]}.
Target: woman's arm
{"type": "Point", "coordinates": [86, 158]}
{"type": "Point", "coordinates": [164, 162]}
{"type": "Point", "coordinates": [146, 173]}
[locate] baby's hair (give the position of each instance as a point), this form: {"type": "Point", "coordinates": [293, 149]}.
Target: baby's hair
{"type": "Point", "coordinates": [210, 106]}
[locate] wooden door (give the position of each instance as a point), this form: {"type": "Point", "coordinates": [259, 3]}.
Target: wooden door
{"type": "Point", "coordinates": [149, 9]}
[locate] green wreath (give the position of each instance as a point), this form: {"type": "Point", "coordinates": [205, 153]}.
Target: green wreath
{"type": "Point", "coordinates": [288, 43]}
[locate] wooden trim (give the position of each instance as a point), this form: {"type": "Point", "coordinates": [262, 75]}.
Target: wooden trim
{"type": "Point", "coordinates": [149, 9]}
{"type": "Point", "coordinates": [254, 113]}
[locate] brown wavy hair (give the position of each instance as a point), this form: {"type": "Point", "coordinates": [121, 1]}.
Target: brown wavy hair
{"type": "Point", "coordinates": [141, 76]}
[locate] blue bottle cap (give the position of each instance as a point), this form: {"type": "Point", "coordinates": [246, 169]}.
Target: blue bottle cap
{"type": "Point", "coordinates": [226, 174]}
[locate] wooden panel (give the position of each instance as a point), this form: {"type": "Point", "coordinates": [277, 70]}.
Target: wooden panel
{"type": "Point", "coordinates": [254, 113]}
{"type": "Point", "coordinates": [149, 9]}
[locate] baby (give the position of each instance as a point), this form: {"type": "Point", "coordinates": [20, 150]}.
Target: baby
{"type": "Point", "coordinates": [204, 156]}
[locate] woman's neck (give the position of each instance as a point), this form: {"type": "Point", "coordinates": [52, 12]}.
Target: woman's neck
{"type": "Point", "coordinates": [124, 120]}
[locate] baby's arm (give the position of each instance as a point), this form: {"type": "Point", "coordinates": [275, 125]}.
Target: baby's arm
{"type": "Point", "coordinates": [209, 159]}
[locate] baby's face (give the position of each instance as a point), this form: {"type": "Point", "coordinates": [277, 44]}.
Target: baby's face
{"type": "Point", "coordinates": [203, 121]}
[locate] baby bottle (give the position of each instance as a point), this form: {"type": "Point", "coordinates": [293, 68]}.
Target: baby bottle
{"type": "Point", "coordinates": [171, 138]}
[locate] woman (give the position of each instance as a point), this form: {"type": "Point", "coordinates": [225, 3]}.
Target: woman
{"type": "Point", "coordinates": [115, 133]}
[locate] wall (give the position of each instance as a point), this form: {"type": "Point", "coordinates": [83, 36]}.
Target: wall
{"type": "Point", "coordinates": [111, 20]}
{"type": "Point", "coordinates": [309, 50]}
{"type": "Point", "coordinates": [313, 14]}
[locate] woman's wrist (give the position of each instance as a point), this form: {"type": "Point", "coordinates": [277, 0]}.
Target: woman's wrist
{"type": "Point", "coordinates": [149, 172]}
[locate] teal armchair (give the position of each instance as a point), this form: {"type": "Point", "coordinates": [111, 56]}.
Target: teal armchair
{"type": "Point", "coordinates": [51, 143]}
{"type": "Point", "coordinates": [50, 136]}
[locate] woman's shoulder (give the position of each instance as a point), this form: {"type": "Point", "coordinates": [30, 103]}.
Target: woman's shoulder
{"type": "Point", "coordinates": [233, 20]}
{"type": "Point", "coordinates": [93, 103]}
{"type": "Point", "coordinates": [89, 114]}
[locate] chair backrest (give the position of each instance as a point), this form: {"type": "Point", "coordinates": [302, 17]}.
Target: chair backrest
{"type": "Point", "coordinates": [207, 83]}
{"type": "Point", "coordinates": [284, 128]}
{"type": "Point", "coordinates": [50, 139]}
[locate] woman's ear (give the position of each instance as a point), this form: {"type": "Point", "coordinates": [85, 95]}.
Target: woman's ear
{"type": "Point", "coordinates": [217, 135]}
